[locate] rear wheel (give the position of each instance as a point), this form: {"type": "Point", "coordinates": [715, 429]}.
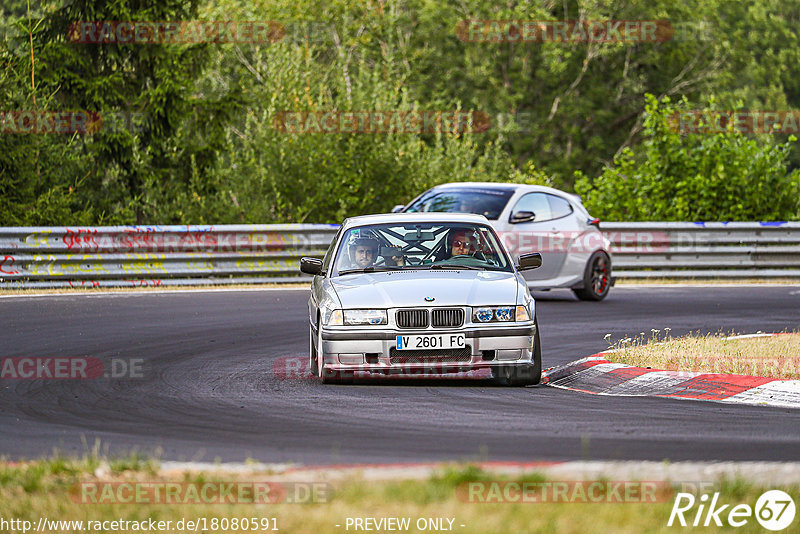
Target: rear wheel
{"type": "Point", "coordinates": [596, 278]}
{"type": "Point", "coordinates": [519, 375]}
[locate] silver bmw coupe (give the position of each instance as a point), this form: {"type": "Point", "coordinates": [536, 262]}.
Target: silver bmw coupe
{"type": "Point", "coordinates": [421, 293]}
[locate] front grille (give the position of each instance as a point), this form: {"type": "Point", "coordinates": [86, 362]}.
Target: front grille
{"type": "Point", "coordinates": [412, 318]}
{"type": "Point", "coordinates": [447, 317]}
{"type": "Point", "coordinates": [463, 355]}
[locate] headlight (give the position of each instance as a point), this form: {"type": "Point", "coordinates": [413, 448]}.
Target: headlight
{"type": "Point", "coordinates": [361, 317]}
{"type": "Point", "coordinates": [495, 314]}
{"type": "Point", "coordinates": [504, 313]}
{"type": "Point", "coordinates": [484, 315]}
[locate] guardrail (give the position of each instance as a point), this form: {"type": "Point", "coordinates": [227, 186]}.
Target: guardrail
{"type": "Point", "coordinates": [234, 254]}
{"type": "Point", "coordinates": [158, 255]}
{"type": "Point", "coordinates": [705, 250]}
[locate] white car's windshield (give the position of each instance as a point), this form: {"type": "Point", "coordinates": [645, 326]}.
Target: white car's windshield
{"type": "Point", "coordinates": [420, 246]}
{"type": "Point", "coordinates": [488, 202]}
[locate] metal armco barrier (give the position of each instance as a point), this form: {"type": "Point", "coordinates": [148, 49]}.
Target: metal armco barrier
{"type": "Point", "coordinates": [705, 250]}
{"type": "Point", "coordinates": [234, 254]}
{"type": "Point", "coordinates": [158, 255]}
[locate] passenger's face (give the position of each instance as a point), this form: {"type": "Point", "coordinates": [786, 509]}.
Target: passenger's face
{"type": "Point", "coordinates": [460, 244]}
{"type": "Point", "coordinates": [364, 256]}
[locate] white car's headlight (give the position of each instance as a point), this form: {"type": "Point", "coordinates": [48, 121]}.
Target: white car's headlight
{"type": "Point", "coordinates": [362, 317]}
{"type": "Point", "coordinates": [494, 314]}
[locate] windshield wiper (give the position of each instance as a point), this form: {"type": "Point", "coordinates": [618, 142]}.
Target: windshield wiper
{"type": "Point", "coordinates": [371, 269]}
{"type": "Point", "coordinates": [456, 266]}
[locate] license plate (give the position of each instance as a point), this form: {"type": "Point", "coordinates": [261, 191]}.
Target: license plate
{"type": "Point", "coordinates": [435, 341]}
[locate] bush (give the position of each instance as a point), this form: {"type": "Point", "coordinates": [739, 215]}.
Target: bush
{"type": "Point", "coordinates": [670, 176]}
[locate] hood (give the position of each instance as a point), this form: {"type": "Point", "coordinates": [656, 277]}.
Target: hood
{"type": "Point", "coordinates": [401, 289]}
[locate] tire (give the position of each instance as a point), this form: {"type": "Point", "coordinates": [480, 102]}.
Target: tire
{"type": "Point", "coordinates": [312, 354]}
{"type": "Point", "coordinates": [336, 377]}
{"type": "Point", "coordinates": [596, 278]}
{"type": "Point", "coordinates": [518, 376]}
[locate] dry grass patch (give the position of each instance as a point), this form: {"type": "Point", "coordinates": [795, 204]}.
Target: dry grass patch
{"type": "Point", "coordinates": [768, 356]}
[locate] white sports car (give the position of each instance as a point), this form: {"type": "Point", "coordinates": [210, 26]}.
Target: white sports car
{"type": "Point", "coordinates": [421, 293]}
{"type": "Point", "coordinates": [533, 218]}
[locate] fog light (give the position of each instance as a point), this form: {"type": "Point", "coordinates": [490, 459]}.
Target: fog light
{"type": "Point", "coordinates": [509, 354]}
{"type": "Point", "coordinates": [351, 359]}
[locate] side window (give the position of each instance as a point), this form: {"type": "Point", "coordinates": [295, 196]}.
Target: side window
{"type": "Point", "coordinates": [559, 207]}
{"type": "Point", "coordinates": [537, 203]}
{"type": "Point", "coordinates": [326, 261]}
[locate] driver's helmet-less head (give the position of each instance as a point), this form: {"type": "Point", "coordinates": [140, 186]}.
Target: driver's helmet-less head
{"type": "Point", "coordinates": [463, 241]}
{"type": "Point", "coordinates": [363, 249]}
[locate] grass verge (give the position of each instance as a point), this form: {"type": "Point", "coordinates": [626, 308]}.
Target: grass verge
{"type": "Point", "coordinates": [767, 356]}
{"type": "Point", "coordinates": [30, 491]}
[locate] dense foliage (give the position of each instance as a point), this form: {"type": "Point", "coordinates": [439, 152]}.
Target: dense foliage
{"type": "Point", "coordinates": [195, 139]}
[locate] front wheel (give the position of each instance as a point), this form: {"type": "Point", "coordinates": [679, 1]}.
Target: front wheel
{"type": "Point", "coordinates": [312, 354]}
{"type": "Point", "coordinates": [596, 278]}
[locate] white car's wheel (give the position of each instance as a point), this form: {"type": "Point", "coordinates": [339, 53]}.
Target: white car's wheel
{"type": "Point", "coordinates": [596, 278]}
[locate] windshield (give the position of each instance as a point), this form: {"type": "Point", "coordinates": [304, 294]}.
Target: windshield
{"type": "Point", "coordinates": [481, 201]}
{"type": "Point", "coordinates": [420, 246]}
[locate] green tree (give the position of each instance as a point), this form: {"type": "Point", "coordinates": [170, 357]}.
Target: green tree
{"type": "Point", "coordinates": [673, 176]}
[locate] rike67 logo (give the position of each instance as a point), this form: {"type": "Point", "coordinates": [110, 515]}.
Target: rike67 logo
{"type": "Point", "coordinates": [774, 510]}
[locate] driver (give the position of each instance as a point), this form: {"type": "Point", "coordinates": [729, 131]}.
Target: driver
{"type": "Point", "coordinates": [462, 242]}
{"type": "Point", "coordinates": [363, 251]}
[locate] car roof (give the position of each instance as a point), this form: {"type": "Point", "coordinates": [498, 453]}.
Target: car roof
{"type": "Point", "coordinates": [502, 187]}
{"type": "Point", "coordinates": [400, 218]}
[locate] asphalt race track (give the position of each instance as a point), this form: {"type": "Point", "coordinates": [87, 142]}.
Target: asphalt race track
{"type": "Point", "coordinates": [209, 390]}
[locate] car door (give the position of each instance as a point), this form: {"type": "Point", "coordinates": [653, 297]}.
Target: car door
{"type": "Point", "coordinates": [548, 227]}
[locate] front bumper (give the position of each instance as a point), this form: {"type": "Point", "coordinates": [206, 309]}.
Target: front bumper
{"type": "Point", "coordinates": [367, 350]}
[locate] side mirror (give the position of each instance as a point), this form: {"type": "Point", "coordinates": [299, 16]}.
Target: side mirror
{"type": "Point", "coordinates": [521, 217]}
{"type": "Point", "coordinates": [529, 261]}
{"type": "Point", "coordinates": [311, 265]}
{"type": "Point", "coordinates": [398, 208]}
